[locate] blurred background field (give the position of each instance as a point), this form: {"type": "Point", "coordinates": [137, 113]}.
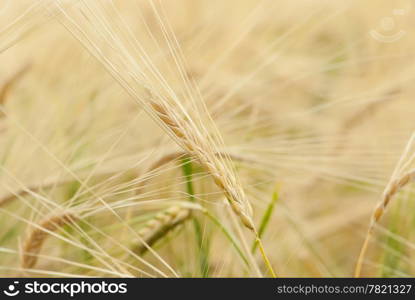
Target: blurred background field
{"type": "Point", "coordinates": [314, 101]}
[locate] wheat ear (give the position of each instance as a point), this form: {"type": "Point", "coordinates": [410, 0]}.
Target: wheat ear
{"type": "Point", "coordinates": [164, 107]}
{"type": "Point", "coordinates": [171, 157]}
{"type": "Point", "coordinates": [196, 146]}
{"type": "Point", "coordinates": [248, 223]}
{"type": "Point", "coordinates": [37, 237]}
{"type": "Point", "coordinates": [393, 188]}
{"type": "Point", "coordinates": [161, 225]}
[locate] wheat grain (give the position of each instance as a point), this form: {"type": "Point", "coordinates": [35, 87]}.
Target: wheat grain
{"type": "Point", "coordinates": [37, 237]}
{"type": "Point", "coordinates": [196, 146]}
{"type": "Point", "coordinates": [164, 107]}
{"type": "Point", "coordinates": [170, 157]}
{"type": "Point", "coordinates": [393, 189]}
{"type": "Point", "coordinates": [161, 225]}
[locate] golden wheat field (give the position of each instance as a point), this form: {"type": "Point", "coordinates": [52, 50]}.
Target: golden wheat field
{"type": "Point", "coordinates": [207, 138]}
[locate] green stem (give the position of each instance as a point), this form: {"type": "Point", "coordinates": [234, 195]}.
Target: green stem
{"type": "Point", "coordinates": [265, 219]}
{"type": "Point", "coordinates": [202, 244]}
{"type": "Point", "coordinates": [229, 236]}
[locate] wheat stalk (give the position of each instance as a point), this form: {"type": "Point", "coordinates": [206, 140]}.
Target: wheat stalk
{"type": "Point", "coordinates": [37, 237]}
{"type": "Point", "coordinates": [163, 106]}
{"type": "Point", "coordinates": [47, 183]}
{"type": "Point", "coordinates": [161, 225]}
{"type": "Point", "coordinates": [166, 109]}
{"type": "Point", "coordinates": [171, 157]}
{"type": "Point", "coordinates": [195, 145]}
{"type": "Point", "coordinates": [393, 188]}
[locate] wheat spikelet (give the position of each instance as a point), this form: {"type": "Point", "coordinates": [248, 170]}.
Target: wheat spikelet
{"type": "Point", "coordinates": [393, 188]}
{"type": "Point", "coordinates": [391, 191]}
{"type": "Point", "coordinates": [170, 157]}
{"type": "Point", "coordinates": [141, 80]}
{"type": "Point", "coordinates": [34, 242]}
{"type": "Point", "coordinates": [160, 225]}
{"type": "Point", "coordinates": [196, 146]}
{"type": "Point", "coordinates": [163, 106]}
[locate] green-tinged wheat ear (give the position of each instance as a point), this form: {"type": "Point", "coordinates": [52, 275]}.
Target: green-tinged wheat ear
{"type": "Point", "coordinates": [32, 245]}
{"type": "Point", "coordinates": [393, 188]}
{"type": "Point", "coordinates": [160, 226]}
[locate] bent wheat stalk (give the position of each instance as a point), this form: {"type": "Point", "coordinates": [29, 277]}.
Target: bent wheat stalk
{"type": "Point", "coordinates": [393, 188]}
{"type": "Point", "coordinates": [37, 237]}
{"type": "Point", "coordinates": [46, 183]}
